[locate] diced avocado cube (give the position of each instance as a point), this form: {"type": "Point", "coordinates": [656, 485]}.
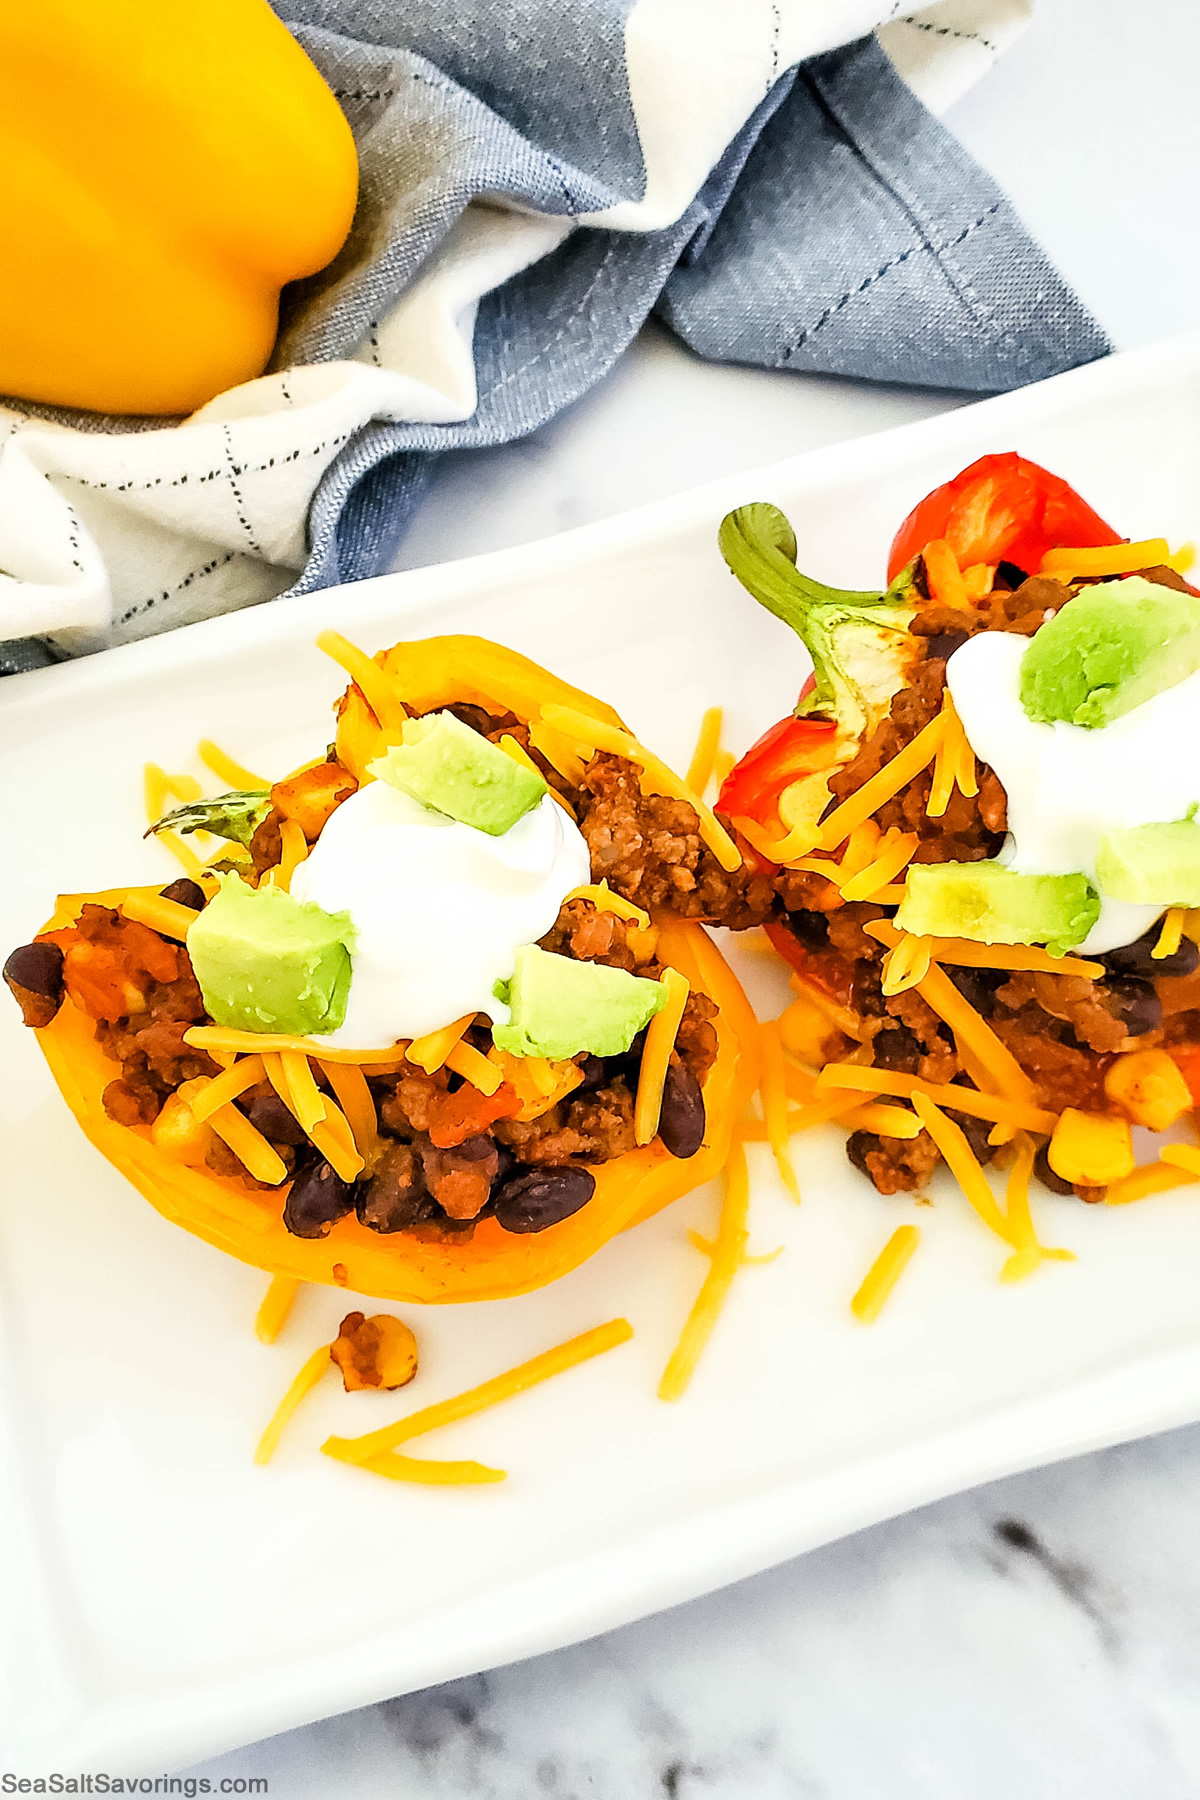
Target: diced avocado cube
{"type": "Point", "coordinates": [560, 1007]}
{"type": "Point", "coordinates": [267, 962]}
{"type": "Point", "coordinates": [990, 904]}
{"type": "Point", "coordinates": [445, 765]}
{"type": "Point", "coordinates": [1115, 645]}
{"type": "Point", "coordinates": [1152, 865]}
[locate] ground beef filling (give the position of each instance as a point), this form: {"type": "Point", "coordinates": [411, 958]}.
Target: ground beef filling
{"type": "Point", "coordinates": [451, 1154]}
{"type": "Point", "coordinates": [648, 847]}
{"type": "Point", "coordinates": [1064, 1031]}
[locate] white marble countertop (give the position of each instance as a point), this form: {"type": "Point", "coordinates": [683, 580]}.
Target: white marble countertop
{"type": "Point", "coordinates": [1037, 1638]}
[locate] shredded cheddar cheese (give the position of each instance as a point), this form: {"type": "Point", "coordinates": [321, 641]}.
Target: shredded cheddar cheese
{"type": "Point", "coordinates": [369, 1450]}
{"type": "Point", "coordinates": [885, 1121]}
{"type": "Point", "coordinates": [517, 753]}
{"type": "Point", "coordinates": [975, 1034]}
{"type": "Point", "coordinates": [306, 1379]}
{"type": "Point", "coordinates": [724, 763]}
{"type": "Point", "coordinates": [1016, 1113]}
{"type": "Point", "coordinates": [978, 580]}
{"type": "Point", "coordinates": [1105, 559]}
{"type": "Point", "coordinates": [1150, 1178]}
{"type": "Point", "coordinates": [227, 1086]}
{"type": "Point", "coordinates": [306, 1099]}
{"type": "Point", "coordinates": [226, 769]}
{"type": "Point", "coordinates": [1171, 934]}
{"type": "Point", "coordinates": [965, 953]}
{"type": "Point", "coordinates": [954, 764]}
{"type": "Point", "coordinates": [707, 1246]}
{"type": "Point", "coordinates": [656, 1055]}
{"type": "Point", "coordinates": [357, 1103]}
{"type": "Point", "coordinates": [557, 750]}
{"type": "Point", "coordinates": [895, 851]}
{"type": "Point", "coordinates": [475, 1068]}
{"type": "Point", "coordinates": [1181, 1156]}
{"type": "Point", "coordinates": [943, 577]}
{"type": "Point", "coordinates": [424, 1469]}
{"type": "Point", "coordinates": [294, 850]}
{"type": "Point", "coordinates": [276, 1307]}
{"type": "Point", "coordinates": [256, 1155]}
{"type": "Point", "coordinates": [221, 1039]}
{"type": "Point", "coordinates": [598, 736]}
{"type": "Point", "coordinates": [154, 792]}
{"type": "Point", "coordinates": [728, 1253]}
{"type": "Point", "coordinates": [1030, 1253]}
{"type": "Point", "coordinates": [906, 964]}
{"type": "Point", "coordinates": [708, 741]}
{"type": "Point", "coordinates": [773, 1088]}
{"type": "Point", "coordinates": [883, 1274]}
{"type": "Point", "coordinates": [185, 788]}
{"type": "Point", "coordinates": [167, 917]}
{"type": "Point", "coordinates": [784, 851]}
{"type": "Point", "coordinates": [183, 853]}
{"type": "Point", "coordinates": [335, 1141]}
{"type": "Point", "coordinates": [604, 900]}
{"type": "Point", "coordinates": [885, 785]}
{"type": "Point", "coordinates": [963, 1164]}
{"type": "Point", "coordinates": [430, 1052]}
{"type": "Point", "coordinates": [372, 681]}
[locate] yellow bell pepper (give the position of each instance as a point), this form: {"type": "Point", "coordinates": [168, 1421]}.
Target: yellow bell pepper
{"type": "Point", "coordinates": [165, 167]}
{"type": "Point", "coordinates": [494, 1264]}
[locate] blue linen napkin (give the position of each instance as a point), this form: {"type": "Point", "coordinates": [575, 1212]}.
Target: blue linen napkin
{"type": "Point", "coordinates": [842, 230]}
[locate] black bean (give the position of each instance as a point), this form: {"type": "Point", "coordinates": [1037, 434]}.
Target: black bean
{"type": "Point", "coordinates": [1136, 958]}
{"type": "Point", "coordinates": [1009, 573]}
{"type": "Point", "coordinates": [860, 1145]}
{"type": "Point", "coordinates": [268, 1114]}
{"type": "Point", "coordinates": [594, 1074]}
{"type": "Point", "coordinates": [681, 1122]}
{"type": "Point", "coordinates": [506, 1162]}
{"type": "Point", "coordinates": [808, 928]}
{"type": "Point", "coordinates": [38, 968]}
{"type": "Point", "coordinates": [944, 643]}
{"type": "Point", "coordinates": [317, 1199]}
{"type": "Point", "coordinates": [1139, 1007]}
{"type": "Point", "coordinates": [1046, 1175]}
{"type": "Point", "coordinates": [543, 1197]}
{"type": "Point", "coordinates": [896, 1048]}
{"type": "Point", "coordinates": [977, 986]}
{"type": "Point", "coordinates": [34, 972]}
{"type": "Point", "coordinates": [185, 892]}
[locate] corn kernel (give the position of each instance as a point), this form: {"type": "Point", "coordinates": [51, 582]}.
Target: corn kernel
{"type": "Point", "coordinates": [1149, 1086]}
{"type": "Point", "coordinates": [1090, 1150]}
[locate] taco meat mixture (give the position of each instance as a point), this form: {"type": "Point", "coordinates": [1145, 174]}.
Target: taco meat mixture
{"type": "Point", "coordinates": [1063, 1030]}
{"type": "Point", "coordinates": [452, 1156]}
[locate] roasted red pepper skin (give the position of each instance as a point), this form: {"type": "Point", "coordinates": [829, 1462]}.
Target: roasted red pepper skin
{"type": "Point", "coordinates": [791, 950]}
{"type": "Point", "coordinates": [789, 750]}
{"type": "Point", "coordinates": [1002, 508]}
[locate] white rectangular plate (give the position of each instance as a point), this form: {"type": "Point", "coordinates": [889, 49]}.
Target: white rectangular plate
{"type": "Point", "coordinates": [160, 1597]}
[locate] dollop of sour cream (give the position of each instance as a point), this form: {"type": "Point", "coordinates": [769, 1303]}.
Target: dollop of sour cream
{"type": "Point", "coordinates": [1067, 785]}
{"type": "Point", "coordinates": [440, 908]}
